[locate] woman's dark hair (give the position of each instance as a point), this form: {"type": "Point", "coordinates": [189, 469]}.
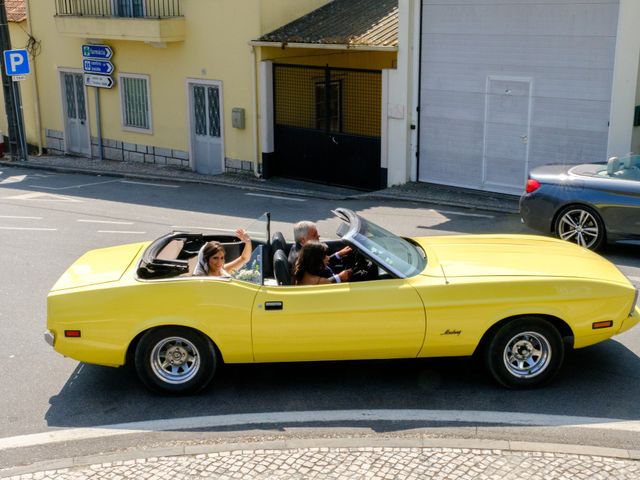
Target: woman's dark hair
{"type": "Point", "coordinates": [211, 249]}
{"type": "Point", "coordinates": [310, 259]}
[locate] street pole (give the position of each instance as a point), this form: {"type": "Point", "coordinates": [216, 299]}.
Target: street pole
{"type": "Point", "coordinates": [99, 124]}
{"type": "Point", "coordinates": [10, 106]}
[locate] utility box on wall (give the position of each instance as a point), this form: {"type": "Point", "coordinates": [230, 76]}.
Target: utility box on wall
{"type": "Point", "coordinates": [237, 118]}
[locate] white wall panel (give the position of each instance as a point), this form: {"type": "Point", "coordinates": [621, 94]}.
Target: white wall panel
{"type": "Point", "coordinates": [565, 47]}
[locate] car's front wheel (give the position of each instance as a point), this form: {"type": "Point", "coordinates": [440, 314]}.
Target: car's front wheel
{"type": "Point", "coordinates": [580, 225]}
{"type": "Point", "coordinates": [175, 360]}
{"type": "Point", "coordinates": [524, 353]}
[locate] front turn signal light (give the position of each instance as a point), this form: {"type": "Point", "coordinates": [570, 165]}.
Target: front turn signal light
{"type": "Point", "coordinates": [605, 324]}
{"type": "Point", "coordinates": [532, 185]}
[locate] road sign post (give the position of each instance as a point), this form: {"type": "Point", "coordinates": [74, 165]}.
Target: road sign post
{"type": "Point", "coordinates": [98, 81]}
{"type": "Point", "coordinates": [103, 52]}
{"type": "Point", "coordinates": [16, 66]}
{"type": "Point", "coordinates": [97, 70]}
{"type": "Point", "coordinates": [100, 67]}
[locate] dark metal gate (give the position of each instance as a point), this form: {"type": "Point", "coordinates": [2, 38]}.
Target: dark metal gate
{"type": "Point", "coordinates": [327, 125]}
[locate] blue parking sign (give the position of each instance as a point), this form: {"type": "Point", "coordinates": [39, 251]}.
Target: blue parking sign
{"type": "Point", "coordinates": [16, 62]}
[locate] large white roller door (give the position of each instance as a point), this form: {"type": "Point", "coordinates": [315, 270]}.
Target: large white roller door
{"type": "Point", "coordinates": [507, 85]}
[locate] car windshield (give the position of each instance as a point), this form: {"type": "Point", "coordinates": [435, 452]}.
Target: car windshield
{"type": "Point", "coordinates": [393, 253]}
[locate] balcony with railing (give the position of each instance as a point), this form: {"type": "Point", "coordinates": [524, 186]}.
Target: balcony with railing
{"type": "Point", "coordinates": [154, 21]}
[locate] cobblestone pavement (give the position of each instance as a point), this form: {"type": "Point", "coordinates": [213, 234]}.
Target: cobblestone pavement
{"type": "Point", "coordinates": [359, 463]}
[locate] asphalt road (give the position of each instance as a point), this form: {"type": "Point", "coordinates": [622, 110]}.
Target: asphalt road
{"type": "Point", "coordinates": [48, 219]}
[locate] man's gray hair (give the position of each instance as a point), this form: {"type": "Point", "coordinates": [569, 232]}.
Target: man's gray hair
{"type": "Point", "coordinates": [301, 229]}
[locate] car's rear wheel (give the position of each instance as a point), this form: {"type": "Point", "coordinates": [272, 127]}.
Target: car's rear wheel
{"type": "Point", "coordinates": [580, 225]}
{"type": "Point", "coordinates": [175, 360]}
{"type": "Point", "coordinates": [524, 353]}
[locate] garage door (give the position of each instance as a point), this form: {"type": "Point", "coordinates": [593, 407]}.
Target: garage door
{"type": "Point", "coordinates": [508, 85]}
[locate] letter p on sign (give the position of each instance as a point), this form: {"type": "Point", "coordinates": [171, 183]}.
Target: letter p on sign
{"type": "Point", "coordinates": [16, 62]}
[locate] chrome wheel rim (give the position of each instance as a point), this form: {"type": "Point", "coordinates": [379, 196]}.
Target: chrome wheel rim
{"type": "Point", "coordinates": [527, 355]}
{"type": "Point", "coordinates": [175, 360]}
{"type": "Point", "coordinates": [579, 226]}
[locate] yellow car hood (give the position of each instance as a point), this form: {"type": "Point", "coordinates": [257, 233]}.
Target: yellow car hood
{"type": "Point", "coordinates": [99, 266]}
{"type": "Point", "coordinates": [516, 255]}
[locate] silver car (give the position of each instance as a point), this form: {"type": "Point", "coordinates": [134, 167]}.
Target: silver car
{"type": "Point", "coordinates": [588, 204]}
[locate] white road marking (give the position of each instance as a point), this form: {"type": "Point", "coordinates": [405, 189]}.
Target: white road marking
{"type": "Point", "coordinates": [267, 418]}
{"type": "Point", "coordinates": [75, 186]}
{"type": "Point", "coordinates": [14, 179]}
{"type": "Point", "coordinates": [20, 217]}
{"type": "Point", "coordinates": [150, 184]}
{"type": "Point", "coordinates": [634, 279]}
{"type": "Point", "coordinates": [30, 228]}
{"type": "Point", "coordinates": [120, 231]}
{"type": "Point", "coordinates": [111, 222]}
{"type": "Point", "coordinates": [42, 196]}
{"type": "Point", "coordinates": [277, 197]}
{"type": "Point", "coordinates": [462, 214]}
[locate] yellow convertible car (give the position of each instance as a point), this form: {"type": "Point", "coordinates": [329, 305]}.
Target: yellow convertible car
{"type": "Point", "coordinates": [517, 302]}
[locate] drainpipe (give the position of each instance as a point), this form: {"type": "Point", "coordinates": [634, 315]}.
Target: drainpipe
{"type": "Point", "coordinates": [254, 79]}
{"type": "Point", "coordinates": [36, 95]}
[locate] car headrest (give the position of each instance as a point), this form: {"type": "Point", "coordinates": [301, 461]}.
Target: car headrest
{"type": "Point", "coordinates": [281, 268]}
{"type": "Point", "coordinates": [631, 161]}
{"type": "Point", "coordinates": [279, 243]}
{"type": "Point", "coordinates": [613, 165]}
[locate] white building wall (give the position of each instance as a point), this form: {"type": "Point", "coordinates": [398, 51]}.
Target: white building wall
{"type": "Point", "coordinates": [623, 137]}
{"type": "Point", "coordinates": [508, 85]}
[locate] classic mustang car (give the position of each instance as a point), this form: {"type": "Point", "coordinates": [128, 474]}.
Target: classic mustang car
{"type": "Point", "coordinates": [517, 302]}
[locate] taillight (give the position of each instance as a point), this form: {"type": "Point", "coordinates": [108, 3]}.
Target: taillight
{"type": "Point", "coordinates": [532, 185]}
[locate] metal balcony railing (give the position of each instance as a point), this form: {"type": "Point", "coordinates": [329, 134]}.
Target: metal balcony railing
{"type": "Point", "coordinates": [119, 8]}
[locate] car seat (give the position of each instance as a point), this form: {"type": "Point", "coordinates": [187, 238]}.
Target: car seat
{"type": "Point", "coordinates": [279, 243]}
{"type": "Point", "coordinates": [613, 165]}
{"type": "Point", "coordinates": [281, 268]}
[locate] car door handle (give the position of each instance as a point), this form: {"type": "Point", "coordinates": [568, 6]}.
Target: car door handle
{"type": "Point", "coordinates": [273, 305]}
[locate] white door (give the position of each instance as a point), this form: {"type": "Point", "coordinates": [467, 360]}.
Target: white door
{"type": "Point", "coordinates": [75, 114]}
{"type": "Point", "coordinates": [506, 133]}
{"type": "Point", "coordinates": [206, 128]}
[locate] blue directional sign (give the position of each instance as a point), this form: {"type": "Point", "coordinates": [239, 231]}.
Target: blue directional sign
{"type": "Point", "coordinates": [101, 67]}
{"type": "Point", "coordinates": [16, 62]}
{"type": "Point", "coordinates": [102, 52]}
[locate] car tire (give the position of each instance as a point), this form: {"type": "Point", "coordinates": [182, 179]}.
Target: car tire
{"type": "Point", "coordinates": [525, 353]}
{"type": "Point", "coordinates": [581, 225]}
{"type": "Point", "coordinates": [175, 360]}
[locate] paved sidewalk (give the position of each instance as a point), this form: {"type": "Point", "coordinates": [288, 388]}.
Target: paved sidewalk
{"type": "Point", "coordinates": [272, 461]}
{"type": "Point", "coordinates": [411, 191]}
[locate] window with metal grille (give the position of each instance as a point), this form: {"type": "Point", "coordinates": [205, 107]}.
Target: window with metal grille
{"type": "Point", "coordinates": [129, 8]}
{"type": "Point", "coordinates": [136, 111]}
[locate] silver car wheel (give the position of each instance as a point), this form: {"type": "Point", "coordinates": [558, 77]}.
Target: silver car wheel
{"type": "Point", "coordinates": [527, 355]}
{"type": "Point", "coordinates": [175, 360]}
{"type": "Point", "coordinates": [579, 226]}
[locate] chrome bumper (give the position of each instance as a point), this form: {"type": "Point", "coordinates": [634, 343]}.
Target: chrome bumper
{"type": "Point", "coordinates": [49, 338]}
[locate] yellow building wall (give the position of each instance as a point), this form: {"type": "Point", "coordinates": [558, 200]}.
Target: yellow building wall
{"type": "Point", "coordinates": [216, 47]}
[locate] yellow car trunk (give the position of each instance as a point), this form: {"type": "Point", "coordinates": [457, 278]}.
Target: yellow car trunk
{"type": "Point", "coordinates": [99, 266]}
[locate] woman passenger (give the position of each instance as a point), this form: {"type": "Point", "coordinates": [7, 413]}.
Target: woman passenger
{"type": "Point", "coordinates": [312, 266]}
{"type": "Point", "coordinates": [211, 258]}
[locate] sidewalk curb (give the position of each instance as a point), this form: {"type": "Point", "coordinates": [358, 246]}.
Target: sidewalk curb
{"type": "Point", "coordinates": [326, 444]}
